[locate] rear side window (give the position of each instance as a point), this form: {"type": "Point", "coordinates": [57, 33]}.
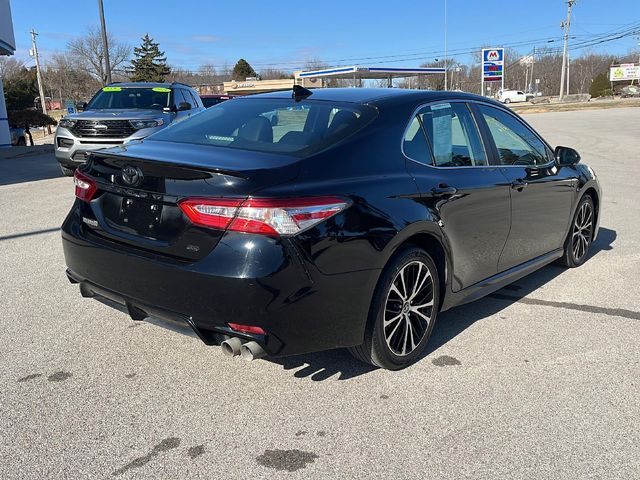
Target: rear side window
{"type": "Point", "coordinates": [415, 144]}
{"type": "Point", "coordinates": [516, 143]}
{"type": "Point", "coordinates": [272, 125]}
{"type": "Point", "coordinates": [451, 133]}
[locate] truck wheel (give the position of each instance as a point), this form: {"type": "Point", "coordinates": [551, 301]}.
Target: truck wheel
{"type": "Point", "coordinates": [67, 172]}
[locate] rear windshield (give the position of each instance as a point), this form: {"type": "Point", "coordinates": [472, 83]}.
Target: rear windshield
{"type": "Point", "coordinates": [123, 97]}
{"type": "Point", "coordinates": [271, 125]}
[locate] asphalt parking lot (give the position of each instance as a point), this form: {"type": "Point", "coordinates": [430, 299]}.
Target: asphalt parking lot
{"type": "Point", "coordinates": [540, 380]}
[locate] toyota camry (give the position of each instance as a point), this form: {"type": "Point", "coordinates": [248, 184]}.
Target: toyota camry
{"type": "Point", "coordinates": [352, 222]}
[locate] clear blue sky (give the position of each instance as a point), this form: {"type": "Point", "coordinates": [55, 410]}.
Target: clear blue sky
{"type": "Point", "coordinates": [282, 32]}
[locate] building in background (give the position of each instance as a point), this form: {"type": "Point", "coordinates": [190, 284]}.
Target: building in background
{"type": "Point", "coordinates": [7, 47]}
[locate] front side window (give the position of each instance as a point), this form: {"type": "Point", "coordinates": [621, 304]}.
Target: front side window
{"type": "Point", "coordinates": [178, 98]}
{"type": "Point", "coordinates": [516, 143]}
{"type": "Point", "coordinates": [272, 125]}
{"type": "Point", "coordinates": [453, 136]}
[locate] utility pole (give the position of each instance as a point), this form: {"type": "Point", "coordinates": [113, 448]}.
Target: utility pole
{"type": "Point", "coordinates": [34, 46]}
{"type": "Point", "coordinates": [568, 70]}
{"type": "Point", "coordinates": [105, 44]}
{"type": "Point", "coordinates": [533, 63]}
{"type": "Point", "coordinates": [565, 25]}
{"type": "Point", "coordinates": [445, 44]}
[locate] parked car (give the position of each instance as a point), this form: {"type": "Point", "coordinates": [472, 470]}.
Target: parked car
{"type": "Point", "coordinates": [508, 96]}
{"type": "Point", "coordinates": [212, 99]}
{"type": "Point", "coordinates": [120, 113]}
{"type": "Point", "coordinates": [353, 228]}
{"type": "Point", "coordinates": [18, 137]}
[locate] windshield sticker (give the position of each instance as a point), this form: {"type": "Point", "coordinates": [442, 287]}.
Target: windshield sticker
{"type": "Point", "coordinates": [111, 89]}
{"type": "Point", "coordinates": [161, 89]}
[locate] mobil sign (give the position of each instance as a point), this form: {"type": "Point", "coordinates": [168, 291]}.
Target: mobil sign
{"type": "Point", "coordinates": [492, 64]}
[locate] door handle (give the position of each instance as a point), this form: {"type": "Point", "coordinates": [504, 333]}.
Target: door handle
{"type": "Point", "coordinates": [443, 190]}
{"type": "Point", "coordinates": [519, 184]}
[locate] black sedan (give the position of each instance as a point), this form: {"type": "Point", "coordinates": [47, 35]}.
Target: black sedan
{"type": "Point", "coordinates": [351, 223]}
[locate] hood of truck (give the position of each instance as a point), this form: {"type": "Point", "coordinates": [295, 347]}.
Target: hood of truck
{"type": "Point", "coordinates": [119, 114]}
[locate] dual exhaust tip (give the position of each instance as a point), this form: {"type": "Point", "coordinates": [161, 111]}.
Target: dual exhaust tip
{"type": "Point", "coordinates": [247, 350]}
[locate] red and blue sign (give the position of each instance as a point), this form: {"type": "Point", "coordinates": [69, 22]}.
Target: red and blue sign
{"type": "Point", "coordinates": [492, 64]}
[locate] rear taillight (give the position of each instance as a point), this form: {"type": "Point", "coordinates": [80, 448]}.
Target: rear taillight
{"type": "Point", "coordinates": [262, 216]}
{"type": "Point", "coordinates": [210, 213]}
{"type": "Point", "coordinates": [85, 186]}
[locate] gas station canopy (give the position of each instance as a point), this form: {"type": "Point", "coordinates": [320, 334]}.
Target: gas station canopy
{"type": "Point", "coordinates": [368, 73]}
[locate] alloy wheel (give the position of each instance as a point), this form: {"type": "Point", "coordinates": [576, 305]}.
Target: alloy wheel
{"type": "Point", "coordinates": [582, 228]}
{"type": "Point", "coordinates": [409, 308]}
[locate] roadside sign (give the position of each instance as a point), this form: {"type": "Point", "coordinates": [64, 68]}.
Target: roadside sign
{"type": "Point", "coordinates": [70, 106]}
{"type": "Point", "coordinates": [492, 66]}
{"type": "Point", "coordinates": [626, 71]}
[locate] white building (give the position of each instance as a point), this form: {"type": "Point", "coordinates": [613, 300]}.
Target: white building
{"type": "Point", "coordinates": [7, 47]}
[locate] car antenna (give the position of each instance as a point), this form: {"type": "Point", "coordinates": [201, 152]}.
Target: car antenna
{"type": "Point", "coordinates": [299, 92]}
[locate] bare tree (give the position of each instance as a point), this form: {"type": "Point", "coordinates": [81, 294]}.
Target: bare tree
{"type": "Point", "coordinates": [274, 74]}
{"type": "Point", "coordinates": [66, 80]}
{"type": "Point", "coordinates": [89, 53]}
{"type": "Point", "coordinates": [10, 67]}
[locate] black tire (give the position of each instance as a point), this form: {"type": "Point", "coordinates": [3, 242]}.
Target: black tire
{"type": "Point", "coordinates": [66, 171]}
{"type": "Point", "coordinates": [575, 255]}
{"type": "Point", "coordinates": [507, 100]}
{"type": "Point", "coordinates": [21, 142]}
{"type": "Point", "coordinates": [376, 349]}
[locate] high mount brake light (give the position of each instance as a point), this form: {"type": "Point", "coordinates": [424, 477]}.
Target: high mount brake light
{"type": "Point", "coordinates": [262, 216]}
{"type": "Point", "coordinates": [85, 186]}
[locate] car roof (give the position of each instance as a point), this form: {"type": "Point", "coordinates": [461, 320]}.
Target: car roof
{"type": "Point", "coordinates": [377, 95]}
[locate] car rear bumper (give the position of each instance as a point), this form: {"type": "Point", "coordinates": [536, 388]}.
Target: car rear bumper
{"type": "Point", "coordinates": [276, 288]}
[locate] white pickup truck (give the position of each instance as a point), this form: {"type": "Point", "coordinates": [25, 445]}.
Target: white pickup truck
{"type": "Point", "coordinates": [508, 96]}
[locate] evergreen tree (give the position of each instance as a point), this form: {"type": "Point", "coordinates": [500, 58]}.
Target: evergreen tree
{"type": "Point", "coordinates": [150, 64]}
{"type": "Point", "coordinates": [242, 70]}
{"type": "Point", "coordinates": [600, 86]}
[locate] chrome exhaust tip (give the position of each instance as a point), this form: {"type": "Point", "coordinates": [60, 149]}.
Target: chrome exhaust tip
{"type": "Point", "coordinates": [231, 347]}
{"type": "Point", "coordinates": [252, 351]}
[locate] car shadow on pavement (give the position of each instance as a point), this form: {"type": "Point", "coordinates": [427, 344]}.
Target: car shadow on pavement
{"type": "Point", "coordinates": [324, 365]}
{"type": "Point", "coordinates": [28, 164]}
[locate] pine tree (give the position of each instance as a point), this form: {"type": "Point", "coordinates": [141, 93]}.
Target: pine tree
{"type": "Point", "coordinates": [242, 70]}
{"type": "Point", "coordinates": [150, 64]}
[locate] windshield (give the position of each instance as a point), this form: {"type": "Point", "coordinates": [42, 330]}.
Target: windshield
{"type": "Point", "coordinates": [272, 125]}
{"type": "Point", "coordinates": [155, 98]}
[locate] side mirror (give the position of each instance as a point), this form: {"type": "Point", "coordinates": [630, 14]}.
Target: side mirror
{"type": "Point", "coordinates": [81, 107]}
{"type": "Point", "coordinates": [184, 106]}
{"type": "Point", "coordinates": [566, 156]}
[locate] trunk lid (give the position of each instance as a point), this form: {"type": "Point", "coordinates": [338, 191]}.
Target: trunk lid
{"type": "Point", "coordinates": [140, 185]}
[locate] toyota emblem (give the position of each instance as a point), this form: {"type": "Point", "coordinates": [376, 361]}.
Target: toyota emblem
{"type": "Point", "coordinates": [131, 175]}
